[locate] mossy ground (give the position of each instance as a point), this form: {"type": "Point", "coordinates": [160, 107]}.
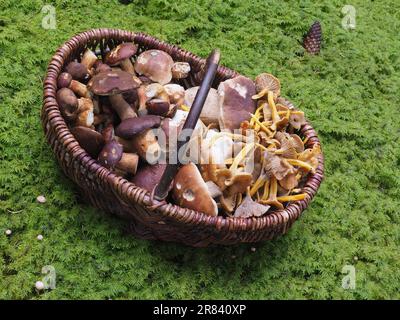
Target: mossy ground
{"type": "Point", "coordinates": [350, 93]}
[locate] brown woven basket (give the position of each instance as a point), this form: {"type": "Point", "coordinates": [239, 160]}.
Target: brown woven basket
{"type": "Point", "coordinates": [148, 218]}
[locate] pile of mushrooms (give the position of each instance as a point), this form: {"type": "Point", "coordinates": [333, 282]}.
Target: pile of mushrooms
{"type": "Point", "coordinates": [244, 157]}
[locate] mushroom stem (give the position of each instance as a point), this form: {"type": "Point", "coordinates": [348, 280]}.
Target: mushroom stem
{"type": "Point", "coordinates": [274, 112]}
{"type": "Point", "coordinates": [301, 164]}
{"type": "Point", "coordinates": [241, 156]}
{"type": "Point", "coordinates": [266, 190]}
{"type": "Point", "coordinates": [146, 146]}
{"type": "Point", "coordinates": [128, 163]}
{"type": "Point", "coordinates": [127, 66]}
{"type": "Point", "coordinates": [80, 89]}
{"type": "Point", "coordinates": [89, 59]}
{"type": "Point", "coordinates": [296, 197]}
{"type": "Point", "coordinates": [258, 184]}
{"type": "Point", "coordinates": [122, 107]}
{"type": "Point", "coordinates": [272, 199]}
{"type": "Point", "coordinates": [262, 126]}
{"type": "Point", "coordinates": [261, 94]}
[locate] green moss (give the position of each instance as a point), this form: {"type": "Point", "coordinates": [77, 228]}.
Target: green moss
{"type": "Point", "coordinates": [349, 92]}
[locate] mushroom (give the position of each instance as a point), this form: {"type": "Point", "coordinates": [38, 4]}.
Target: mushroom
{"type": "Point", "coordinates": [90, 140]}
{"type": "Point", "coordinates": [112, 156]}
{"type": "Point", "coordinates": [180, 70]}
{"type": "Point", "coordinates": [290, 181]}
{"type": "Point", "coordinates": [121, 55]}
{"type": "Point", "coordinates": [160, 107]}
{"type": "Point", "coordinates": [308, 159]}
{"type": "Point", "coordinates": [249, 208]}
{"type": "Point", "coordinates": [112, 84]}
{"type": "Point", "coordinates": [272, 199]}
{"type": "Point", "coordinates": [89, 58]}
{"type": "Point", "coordinates": [297, 119]}
{"type": "Point", "coordinates": [267, 82]}
{"type": "Point", "coordinates": [123, 108]}
{"type": "Point", "coordinates": [287, 145]}
{"type": "Point", "coordinates": [211, 111]}
{"type": "Point", "coordinates": [100, 66]}
{"type": "Point", "coordinates": [190, 191]}
{"type": "Point", "coordinates": [68, 103]}
{"type": "Point", "coordinates": [138, 131]}
{"type": "Point", "coordinates": [77, 70]}
{"type": "Point", "coordinates": [148, 176]}
{"type": "Point", "coordinates": [156, 65]}
{"type": "Point", "coordinates": [86, 116]}
{"type": "Point", "coordinates": [276, 166]}
{"type": "Point", "coordinates": [65, 81]}
{"type": "Point", "coordinates": [238, 183]}
{"type": "Point", "coordinates": [236, 103]}
{"type": "Point", "coordinates": [176, 93]}
{"type": "Point", "coordinates": [228, 203]}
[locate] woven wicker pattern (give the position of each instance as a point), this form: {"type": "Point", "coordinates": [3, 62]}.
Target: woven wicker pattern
{"type": "Point", "coordinates": [115, 195]}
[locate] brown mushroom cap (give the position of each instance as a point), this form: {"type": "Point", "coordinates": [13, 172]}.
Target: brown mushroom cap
{"type": "Point", "coordinates": [128, 128]}
{"type": "Point", "coordinates": [157, 107]}
{"type": "Point", "coordinates": [111, 154]}
{"type": "Point", "coordinates": [236, 102]}
{"type": "Point", "coordinates": [68, 103]}
{"type": "Point", "coordinates": [190, 191]}
{"type": "Point", "coordinates": [112, 82]}
{"type": "Point", "coordinates": [267, 82]}
{"type": "Point", "coordinates": [121, 52]}
{"type": "Point", "coordinates": [249, 208]}
{"type": "Point", "coordinates": [277, 166]}
{"type": "Point", "coordinates": [64, 80]}
{"type": "Point", "coordinates": [148, 176]}
{"type": "Point", "coordinates": [238, 183]}
{"type": "Point", "coordinates": [77, 70]}
{"type": "Point", "coordinates": [156, 65]}
{"type": "Point", "coordinates": [90, 140]}
{"type": "Point", "coordinates": [100, 67]}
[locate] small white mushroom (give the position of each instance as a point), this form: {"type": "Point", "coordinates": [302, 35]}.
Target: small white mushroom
{"type": "Point", "coordinates": [8, 232]}
{"type": "Point", "coordinates": [41, 199]}
{"type": "Point", "coordinates": [39, 285]}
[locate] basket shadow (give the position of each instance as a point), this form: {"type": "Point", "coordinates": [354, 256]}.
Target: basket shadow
{"type": "Point", "coordinates": [243, 263]}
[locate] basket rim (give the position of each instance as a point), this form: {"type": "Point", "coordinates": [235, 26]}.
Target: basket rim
{"type": "Point", "coordinates": [126, 190]}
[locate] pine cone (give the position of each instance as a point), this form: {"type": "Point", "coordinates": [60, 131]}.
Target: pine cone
{"type": "Point", "coordinates": [313, 38]}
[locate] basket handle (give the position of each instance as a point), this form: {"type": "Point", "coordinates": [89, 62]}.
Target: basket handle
{"type": "Point", "coordinates": [162, 189]}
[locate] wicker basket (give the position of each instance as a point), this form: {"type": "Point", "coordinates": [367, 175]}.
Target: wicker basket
{"type": "Point", "coordinates": [148, 218]}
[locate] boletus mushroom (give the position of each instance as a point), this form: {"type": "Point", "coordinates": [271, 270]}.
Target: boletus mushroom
{"type": "Point", "coordinates": [138, 131]}
{"type": "Point", "coordinates": [121, 55]}
{"type": "Point", "coordinates": [148, 176]}
{"type": "Point", "coordinates": [90, 140]}
{"type": "Point", "coordinates": [112, 156]}
{"type": "Point", "coordinates": [65, 81]}
{"type": "Point", "coordinates": [112, 84]}
{"type": "Point", "coordinates": [156, 65]}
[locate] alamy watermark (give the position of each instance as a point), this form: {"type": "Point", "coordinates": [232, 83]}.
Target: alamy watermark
{"type": "Point", "coordinates": [349, 280]}
{"type": "Point", "coordinates": [49, 21]}
{"type": "Point", "coordinates": [349, 19]}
